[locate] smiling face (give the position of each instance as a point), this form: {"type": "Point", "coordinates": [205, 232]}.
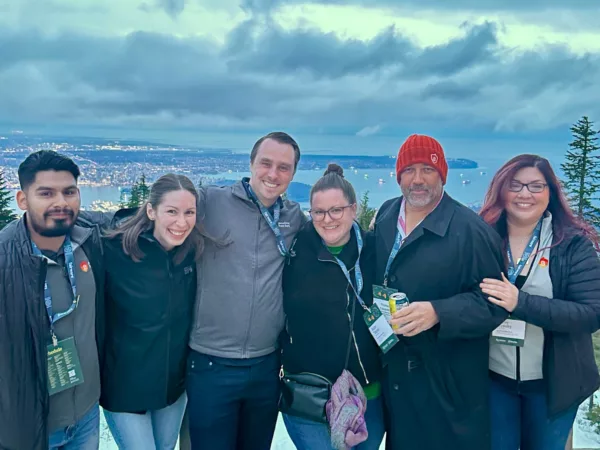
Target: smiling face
{"type": "Point", "coordinates": [334, 232]}
{"type": "Point", "coordinates": [272, 170]}
{"type": "Point", "coordinates": [525, 207]}
{"type": "Point", "coordinates": [421, 185]}
{"type": "Point", "coordinates": [52, 203]}
{"type": "Point", "coordinates": [174, 218]}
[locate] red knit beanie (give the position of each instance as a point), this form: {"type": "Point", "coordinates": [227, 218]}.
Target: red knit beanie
{"type": "Point", "coordinates": [422, 149]}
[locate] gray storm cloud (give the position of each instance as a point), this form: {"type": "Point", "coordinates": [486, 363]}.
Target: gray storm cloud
{"type": "Point", "coordinates": [265, 75]}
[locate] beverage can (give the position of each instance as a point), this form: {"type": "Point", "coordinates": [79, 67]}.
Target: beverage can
{"type": "Point", "coordinates": [397, 301]}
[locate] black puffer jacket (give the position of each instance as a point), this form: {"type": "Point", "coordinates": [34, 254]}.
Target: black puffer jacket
{"type": "Point", "coordinates": [149, 310]}
{"type": "Point", "coordinates": [317, 300]}
{"type": "Point", "coordinates": [24, 334]}
{"type": "Point", "coordinates": [568, 320]}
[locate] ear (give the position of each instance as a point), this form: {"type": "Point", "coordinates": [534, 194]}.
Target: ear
{"type": "Point", "coordinates": [22, 201]}
{"type": "Point", "coordinates": [150, 212]}
{"type": "Point", "coordinates": [354, 208]}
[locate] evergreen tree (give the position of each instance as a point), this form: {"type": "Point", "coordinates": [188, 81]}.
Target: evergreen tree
{"type": "Point", "coordinates": [143, 189]}
{"type": "Point", "coordinates": [134, 197]}
{"type": "Point", "coordinates": [7, 215]}
{"type": "Point", "coordinates": [365, 212]}
{"type": "Point", "coordinates": [582, 169]}
{"type": "Point", "coordinates": [139, 193]}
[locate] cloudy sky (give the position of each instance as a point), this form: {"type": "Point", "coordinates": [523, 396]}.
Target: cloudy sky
{"type": "Point", "coordinates": [359, 67]}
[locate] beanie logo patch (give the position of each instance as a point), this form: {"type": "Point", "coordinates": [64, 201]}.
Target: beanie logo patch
{"type": "Point", "coordinates": [434, 158]}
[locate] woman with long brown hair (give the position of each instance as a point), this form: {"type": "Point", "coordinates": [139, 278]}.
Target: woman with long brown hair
{"type": "Point", "coordinates": [150, 291]}
{"type": "Point", "coordinates": [542, 363]}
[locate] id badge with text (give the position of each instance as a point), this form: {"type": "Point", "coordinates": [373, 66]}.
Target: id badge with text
{"type": "Point", "coordinates": [381, 297]}
{"type": "Point", "coordinates": [380, 329]}
{"type": "Point", "coordinates": [64, 368]}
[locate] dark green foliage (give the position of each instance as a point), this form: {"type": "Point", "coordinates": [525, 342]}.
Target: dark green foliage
{"type": "Point", "coordinates": [7, 215]}
{"type": "Point", "coordinates": [582, 171]}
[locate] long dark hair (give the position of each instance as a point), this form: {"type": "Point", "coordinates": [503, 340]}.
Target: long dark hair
{"type": "Point", "coordinates": [563, 218]}
{"type": "Point", "coordinates": [132, 228]}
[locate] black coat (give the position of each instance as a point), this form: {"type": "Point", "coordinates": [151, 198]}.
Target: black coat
{"type": "Point", "coordinates": [317, 300]}
{"type": "Point", "coordinates": [149, 311]}
{"type": "Point", "coordinates": [436, 383]}
{"type": "Point", "coordinates": [568, 320]}
{"type": "Point", "coordinates": [25, 333]}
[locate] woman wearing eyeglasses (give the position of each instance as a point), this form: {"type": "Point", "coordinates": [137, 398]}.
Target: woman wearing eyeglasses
{"type": "Point", "coordinates": [541, 359]}
{"type": "Point", "coordinates": [321, 299]}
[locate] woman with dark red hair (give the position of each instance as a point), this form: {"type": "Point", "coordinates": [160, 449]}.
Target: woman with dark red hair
{"type": "Point", "coordinates": [541, 359]}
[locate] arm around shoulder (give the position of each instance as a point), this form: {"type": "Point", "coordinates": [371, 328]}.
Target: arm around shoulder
{"type": "Point", "coordinates": [469, 314]}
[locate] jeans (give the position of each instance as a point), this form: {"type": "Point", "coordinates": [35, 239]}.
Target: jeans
{"type": "Point", "coordinates": [310, 435]}
{"type": "Point", "coordinates": [520, 421]}
{"type": "Point", "coordinates": [155, 430]}
{"type": "Point", "coordinates": [82, 435]}
{"type": "Point", "coordinates": [233, 404]}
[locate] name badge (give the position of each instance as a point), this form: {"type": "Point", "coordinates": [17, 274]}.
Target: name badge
{"type": "Point", "coordinates": [380, 329]}
{"type": "Point", "coordinates": [381, 297]}
{"type": "Point", "coordinates": [510, 332]}
{"type": "Point", "coordinates": [64, 368]}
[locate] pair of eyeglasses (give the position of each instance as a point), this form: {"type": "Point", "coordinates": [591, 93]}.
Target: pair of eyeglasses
{"type": "Point", "coordinates": [335, 213]}
{"type": "Point", "coordinates": [534, 188]}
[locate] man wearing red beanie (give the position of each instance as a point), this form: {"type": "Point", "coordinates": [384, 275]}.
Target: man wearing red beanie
{"type": "Point", "coordinates": [435, 251]}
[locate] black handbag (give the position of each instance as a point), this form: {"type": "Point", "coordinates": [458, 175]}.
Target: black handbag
{"type": "Point", "coordinates": [305, 394]}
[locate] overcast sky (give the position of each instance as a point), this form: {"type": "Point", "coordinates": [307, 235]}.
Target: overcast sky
{"type": "Point", "coordinates": [361, 67]}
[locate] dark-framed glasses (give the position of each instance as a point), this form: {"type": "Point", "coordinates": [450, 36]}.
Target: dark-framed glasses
{"type": "Point", "coordinates": [335, 213]}
{"type": "Point", "coordinates": [535, 187]}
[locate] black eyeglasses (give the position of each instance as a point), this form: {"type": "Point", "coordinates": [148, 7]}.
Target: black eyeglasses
{"type": "Point", "coordinates": [535, 188]}
{"type": "Point", "coordinates": [335, 213]}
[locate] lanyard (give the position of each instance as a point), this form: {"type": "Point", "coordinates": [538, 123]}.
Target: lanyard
{"type": "Point", "coordinates": [271, 220]}
{"type": "Point", "coordinates": [401, 236]}
{"type": "Point", "coordinates": [513, 272]}
{"type": "Point", "coordinates": [357, 272]}
{"type": "Point", "coordinates": [70, 263]}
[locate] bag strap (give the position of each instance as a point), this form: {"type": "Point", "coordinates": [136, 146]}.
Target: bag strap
{"type": "Point", "coordinates": [350, 335]}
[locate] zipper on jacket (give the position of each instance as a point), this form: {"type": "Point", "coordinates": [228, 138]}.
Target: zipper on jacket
{"type": "Point", "coordinates": [169, 318]}
{"type": "Point", "coordinates": [354, 339]}
{"type": "Point", "coordinates": [256, 250]}
{"type": "Point", "coordinates": [518, 364]}
{"type": "Point", "coordinates": [350, 323]}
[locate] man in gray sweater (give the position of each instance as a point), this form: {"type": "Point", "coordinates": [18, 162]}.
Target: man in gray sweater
{"type": "Point", "coordinates": [233, 384]}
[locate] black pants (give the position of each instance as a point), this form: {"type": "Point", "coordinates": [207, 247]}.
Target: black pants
{"type": "Point", "coordinates": [232, 407]}
{"type": "Point", "coordinates": [418, 421]}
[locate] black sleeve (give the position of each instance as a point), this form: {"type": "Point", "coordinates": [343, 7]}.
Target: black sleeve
{"type": "Point", "coordinates": [580, 310]}
{"type": "Point", "coordinates": [470, 314]}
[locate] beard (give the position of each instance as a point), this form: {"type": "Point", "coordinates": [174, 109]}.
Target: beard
{"type": "Point", "coordinates": [50, 227]}
{"type": "Point", "coordinates": [427, 195]}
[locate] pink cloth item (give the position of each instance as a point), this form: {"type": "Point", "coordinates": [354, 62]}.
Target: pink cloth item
{"type": "Point", "coordinates": [346, 413]}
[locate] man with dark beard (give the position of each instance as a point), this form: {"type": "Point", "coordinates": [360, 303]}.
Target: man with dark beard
{"type": "Point", "coordinates": [51, 294]}
{"type": "Point", "coordinates": [435, 251]}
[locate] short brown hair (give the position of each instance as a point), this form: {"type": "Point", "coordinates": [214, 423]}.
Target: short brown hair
{"type": "Point", "coordinates": [282, 138]}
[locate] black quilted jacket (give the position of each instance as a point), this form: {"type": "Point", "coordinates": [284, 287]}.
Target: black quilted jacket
{"type": "Point", "coordinates": [24, 330]}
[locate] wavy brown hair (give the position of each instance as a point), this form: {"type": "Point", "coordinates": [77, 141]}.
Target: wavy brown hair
{"type": "Point", "coordinates": [564, 221]}
{"type": "Point", "coordinates": [131, 229]}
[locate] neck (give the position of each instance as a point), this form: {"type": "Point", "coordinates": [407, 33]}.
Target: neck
{"type": "Point", "coordinates": [266, 203]}
{"type": "Point", "coordinates": [45, 243]}
{"type": "Point", "coordinates": [341, 242]}
{"type": "Point", "coordinates": [420, 212]}
{"type": "Point", "coordinates": [517, 229]}
{"type": "Point", "coordinates": [167, 247]}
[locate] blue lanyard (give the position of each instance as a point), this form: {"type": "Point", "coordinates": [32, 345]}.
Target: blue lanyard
{"type": "Point", "coordinates": [70, 263]}
{"type": "Point", "coordinates": [357, 272]}
{"type": "Point", "coordinates": [393, 254]}
{"type": "Point", "coordinates": [513, 272]}
{"type": "Point", "coordinates": [271, 220]}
